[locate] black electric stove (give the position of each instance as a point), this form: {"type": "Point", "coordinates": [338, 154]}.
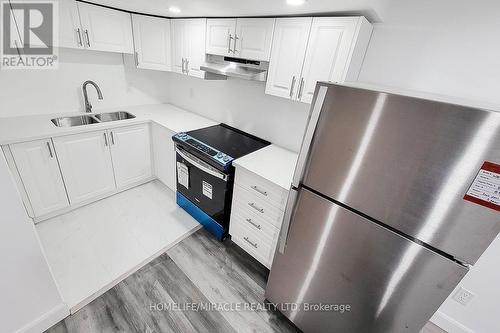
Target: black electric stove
{"type": "Point", "coordinates": [205, 174]}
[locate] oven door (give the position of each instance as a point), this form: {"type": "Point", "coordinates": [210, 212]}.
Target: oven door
{"type": "Point", "coordinates": [202, 184]}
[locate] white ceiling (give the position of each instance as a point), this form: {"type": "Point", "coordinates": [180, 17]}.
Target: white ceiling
{"type": "Point", "coordinates": [372, 9]}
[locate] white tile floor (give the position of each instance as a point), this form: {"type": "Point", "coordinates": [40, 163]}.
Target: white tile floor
{"type": "Point", "coordinates": [90, 248]}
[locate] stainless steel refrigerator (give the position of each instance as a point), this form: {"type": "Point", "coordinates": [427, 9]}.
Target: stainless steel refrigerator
{"type": "Point", "coordinates": [392, 200]}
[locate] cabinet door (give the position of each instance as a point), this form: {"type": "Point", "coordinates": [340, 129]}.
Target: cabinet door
{"type": "Point", "coordinates": [327, 53]}
{"type": "Point", "coordinates": [37, 165]}
{"type": "Point", "coordinates": [70, 30]}
{"type": "Point", "coordinates": [164, 156]}
{"type": "Point", "coordinates": [195, 38]}
{"type": "Point", "coordinates": [178, 45]}
{"type": "Point", "coordinates": [131, 153]}
{"type": "Point", "coordinates": [106, 29]}
{"type": "Point", "coordinates": [220, 36]}
{"type": "Point", "coordinates": [152, 42]}
{"type": "Point", "coordinates": [287, 56]}
{"type": "Point", "coordinates": [86, 165]}
{"type": "Point", "coordinates": [253, 38]}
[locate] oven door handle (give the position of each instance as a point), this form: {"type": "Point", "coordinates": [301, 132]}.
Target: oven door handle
{"type": "Point", "coordinates": [200, 164]}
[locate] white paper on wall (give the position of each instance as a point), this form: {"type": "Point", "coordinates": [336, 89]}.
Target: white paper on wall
{"type": "Point", "coordinates": [183, 174]}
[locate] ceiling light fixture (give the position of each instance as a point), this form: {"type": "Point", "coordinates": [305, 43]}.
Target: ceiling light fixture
{"type": "Point", "coordinates": [174, 10]}
{"type": "Point", "coordinates": [295, 2]}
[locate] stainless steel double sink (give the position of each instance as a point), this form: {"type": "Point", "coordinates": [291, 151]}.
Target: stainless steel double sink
{"type": "Point", "coordinates": [91, 119]}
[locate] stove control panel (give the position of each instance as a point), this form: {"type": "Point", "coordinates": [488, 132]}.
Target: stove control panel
{"type": "Point", "coordinates": [211, 152]}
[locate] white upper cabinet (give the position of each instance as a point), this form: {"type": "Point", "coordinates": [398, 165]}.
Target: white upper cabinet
{"type": "Point", "coordinates": [38, 168]}
{"type": "Point", "coordinates": [85, 162]}
{"type": "Point", "coordinates": [248, 38]}
{"type": "Point", "coordinates": [106, 29]}
{"type": "Point", "coordinates": [333, 52]}
{"type": "Point", "coordinates": [188, 46]}
{"type": "Point", "coordinates": [329, 53]}
{"type": "Point", "coordinates": [253, 38]}
{"type": "Point", "coordinates": [131, 154]}
{"type": "Point", "coordinates": [70, 28]}
{"type": "Point", "coordinates": [287, 56]}
{"type": "Point", "coordinates": [196, 32]}
{"type": "Point", "coordinates": [178, 45]}
{"type": "Point", "coordinates": [152, 45]}
{"type": "Point", "coordinates": [220, 36]}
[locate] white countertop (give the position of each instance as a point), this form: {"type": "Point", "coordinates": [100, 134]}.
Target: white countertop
{"type": "Point", "coordinates": [273, 163]}
{"type": "Point", "coordinates": [26, 128]}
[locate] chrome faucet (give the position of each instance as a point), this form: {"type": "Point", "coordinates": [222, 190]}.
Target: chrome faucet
{"type": "Point", "coordinates": [88, 106]}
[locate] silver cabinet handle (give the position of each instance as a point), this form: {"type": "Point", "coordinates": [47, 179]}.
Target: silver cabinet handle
{"type": "Point", "coordinates": [254, 224]}
{"type": "Point", "coordinates": [251, 204]}
{"type": "Point", "coordinates": [255, 188]}
{"type": "Point", "coordinates": [88, 39]}
{"type": "Point", "coordinates": [79, 33]}
{"type": "Point", "coordinates": [136, 56]}
{"type": "Point", "coordinates": [105, 139]}
{"type": "Point", "coordinates": [230, 37]}
{"type": "Point", "coordinates": [235, 41]}
{"type": "Point", "coordinates": [292, 86]}
{"type": "Point", "coordinates": [301, 86]}
{"type": "Point", "coordinates": [249, 242]}
{"type": "Point", "coordinates": [112, 138]}
{"type": "Point", "coordinates": [187, 66]}
{"type": "Point", "coordinates": [183, 65]}
{"type": "Point", "coordinates": [50, 150]}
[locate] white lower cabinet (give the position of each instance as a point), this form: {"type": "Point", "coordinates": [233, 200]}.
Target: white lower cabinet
{"type": "Point", "coordinates": [164, 156]}
{"type": "Point", "coordinates": [37, 165]}
{"type": "Point", "coordinates": [86, 166]}
{"type": "Point", "coordinates": [76, 169]}
{"type": "Point", "coordinates": [131, 154]}
{"type": "Point", "coordinates": [256, 215]}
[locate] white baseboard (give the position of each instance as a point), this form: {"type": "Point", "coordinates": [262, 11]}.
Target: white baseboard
{"type": "Point", "coordinates": [47, 320]}
{"type": "Point", "coordinates": [449, 324]}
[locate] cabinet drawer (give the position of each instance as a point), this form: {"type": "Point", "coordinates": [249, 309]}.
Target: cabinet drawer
{"type": "Point", "coordinates": [250, 242]}
{"type": "Point", "coordinates": [266, 231]}
{"type": "Point", "coordinates": [262, 188]}
{"type": "Point", "coordinates": [244, 200]}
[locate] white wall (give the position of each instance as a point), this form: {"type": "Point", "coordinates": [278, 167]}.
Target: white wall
{"type": "Point", "coordinates": [242, 104]}
{"type": "Point", "coordinates": [29, 299]}
{"type": "Point", "coordinates": [26, 92]}
{"type": "Point", "coordinates": [446, 47]}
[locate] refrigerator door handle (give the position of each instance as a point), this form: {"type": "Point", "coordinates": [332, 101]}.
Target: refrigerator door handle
{"type": "Point", "coordinates": [314, 114]}
{"type": "Point", "coordinates": [285, 226]}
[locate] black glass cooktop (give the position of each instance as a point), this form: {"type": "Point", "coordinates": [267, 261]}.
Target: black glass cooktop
{"type": "Point", "coordinates": [229, 140]}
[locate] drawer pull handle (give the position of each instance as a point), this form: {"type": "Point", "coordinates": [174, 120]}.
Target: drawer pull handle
{"type": "Point", "coordinates": [251, 204]}
{"type": "Point", "coordinates": [254, 224]}
{"type": "Point", "coordinates": [249, 242]}
{"type": "Point", "coordinates": [259, 190]}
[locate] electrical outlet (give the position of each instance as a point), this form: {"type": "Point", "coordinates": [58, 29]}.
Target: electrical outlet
{"type": "Point", "coordinates": [463, 296]}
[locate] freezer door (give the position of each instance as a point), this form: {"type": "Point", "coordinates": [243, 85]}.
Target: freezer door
{"type": "Point", "coordinates": [406, 162]}
{"type": "Point", "coordinates": [336, 257]}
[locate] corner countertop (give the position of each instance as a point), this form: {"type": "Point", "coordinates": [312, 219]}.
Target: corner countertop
{"type": "Point", "coordinates": [273, 163]}
{"type": "Point", "coordinates": [27, 128]}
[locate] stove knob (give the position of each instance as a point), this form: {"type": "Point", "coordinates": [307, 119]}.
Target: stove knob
{"type": "Point", "coordinates": [219, 155]}
{"type": "Point", "coordinates": [226, 158]}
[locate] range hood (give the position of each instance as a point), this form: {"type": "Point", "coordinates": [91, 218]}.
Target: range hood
{"type": "Point", "coordinates": [235, 67]}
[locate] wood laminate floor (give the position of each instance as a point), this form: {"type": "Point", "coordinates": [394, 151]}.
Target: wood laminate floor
{"type": "Point", "coordinates": [199, 270]}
